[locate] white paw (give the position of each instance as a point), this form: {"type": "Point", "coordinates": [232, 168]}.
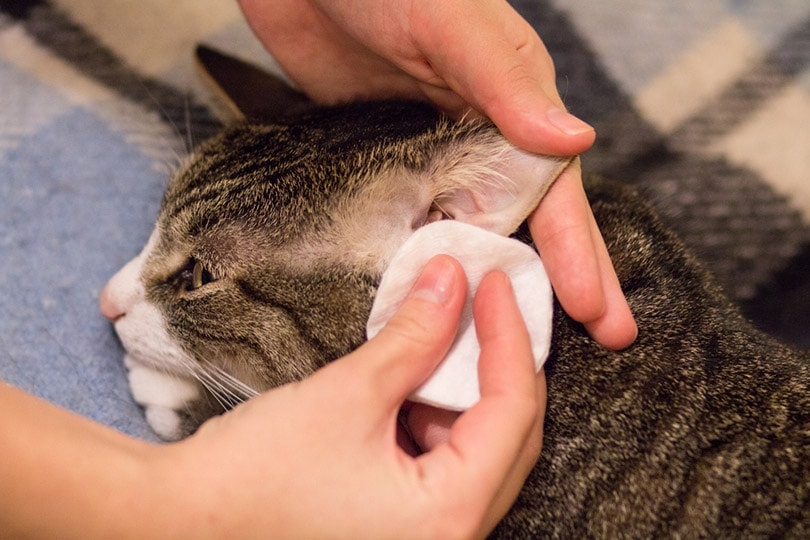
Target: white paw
{"type": "Point", "coordinates": [166, 422]}
{"type": "Point", "coordinates": [162, 395]}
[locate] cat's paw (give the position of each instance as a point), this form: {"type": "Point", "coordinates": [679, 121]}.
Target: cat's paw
{"type": "Point", "coordinates": [165, 398]}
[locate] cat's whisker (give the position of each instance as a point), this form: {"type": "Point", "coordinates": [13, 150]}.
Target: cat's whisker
{"type": "Point", "coordinates": [189, 133]}
{"type": "Point", "coordinates": [225, 398]}
{"type": "Point", "coordinates": [244, 389]}
{"type": "Point", "coordinates": [161, 107]}
{"type": "Point", "coordinates": [227, 389]}
{"type": "Point", "coordinates": [212, 386]}
{"type": "Point", "coordinates": [223, 401]}
{"type": "Point", "coordinates": [236, 388]}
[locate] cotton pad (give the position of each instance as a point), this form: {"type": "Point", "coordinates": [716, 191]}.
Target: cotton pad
{"type": "Point", "coordinates": [454, 384]}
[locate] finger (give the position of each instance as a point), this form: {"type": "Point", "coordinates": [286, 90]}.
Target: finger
{"type": "Point", "coordinates": [431, 427]}
{"type": "Point", "coordinates": [491, 373]}
{"type": "Point", "coordinates": [404, 353]}
{"type": "Point", "coordinates": [578, 263]}
{"type": "Point", "coordinates": [562, 232]}
{"type": "Point", "coordinates": [510, 78]}
{"type": "Point", "coordinates": [504, 417]}
{"type": "Point", "coordinates": [528, 113]}
{"type": "Point", "coordinates": [616, 329]}
{"type": "Point", "coordinates": [503, 337]}
{"type": "Point", "coordinates": [524, 465]}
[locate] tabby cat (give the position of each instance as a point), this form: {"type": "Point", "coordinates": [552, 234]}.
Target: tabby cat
{"type": "Point", "coordinates": [263, 266]}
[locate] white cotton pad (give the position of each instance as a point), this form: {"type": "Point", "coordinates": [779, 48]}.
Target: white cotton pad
{"type": "Point", "coordinates": [454, 384]}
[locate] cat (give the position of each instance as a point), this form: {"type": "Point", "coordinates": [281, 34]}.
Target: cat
{"type": "Point", "coordinates": [264, 263]}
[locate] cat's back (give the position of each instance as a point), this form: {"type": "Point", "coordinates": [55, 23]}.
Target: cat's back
{"type": "Point", "coordinates": [701, 428]}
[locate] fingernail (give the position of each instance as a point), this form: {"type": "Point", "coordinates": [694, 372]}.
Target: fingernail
{"type": "Point", "coordinates": [436, 282]}
{"type": "Point", "coordinates": [567, 122]}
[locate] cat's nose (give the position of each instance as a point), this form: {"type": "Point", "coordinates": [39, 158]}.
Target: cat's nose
{"type": "Point", "coordinates": [122, 292]}
{"type": "Point", "coordinates": [109, 307]}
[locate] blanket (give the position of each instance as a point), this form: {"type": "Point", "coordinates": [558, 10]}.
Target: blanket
{"type": "Point", "coordinates": [703, 105]}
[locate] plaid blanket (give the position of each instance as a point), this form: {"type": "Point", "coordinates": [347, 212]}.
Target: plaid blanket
{"type": "Point", "coordinates": [704, 105]}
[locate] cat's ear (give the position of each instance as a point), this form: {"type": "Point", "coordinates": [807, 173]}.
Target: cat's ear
{"type": "Point", "coordinates": [500, 196]}
{"type": "Point", "coordinates": [246, 90]}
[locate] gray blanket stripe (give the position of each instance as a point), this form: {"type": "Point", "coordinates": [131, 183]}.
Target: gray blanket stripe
{"type": "Point", "coordinates": [747, 95]}
{"type": "Point", "coordinates": [64, 38]}
{"type": "Point", "coordinates": [746, 233]}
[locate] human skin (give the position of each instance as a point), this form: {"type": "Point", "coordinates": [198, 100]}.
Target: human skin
{"type": "Point", "coordinates": [306, 460]}
{"type": "Point", "coordinates": [462, 55]}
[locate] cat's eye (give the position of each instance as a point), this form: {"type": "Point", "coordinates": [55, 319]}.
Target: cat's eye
{"type": "Point", "coordinates": [195, 275]}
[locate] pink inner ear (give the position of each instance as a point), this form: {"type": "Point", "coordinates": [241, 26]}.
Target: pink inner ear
{"type": "Point", "coordinates": [501, 198]}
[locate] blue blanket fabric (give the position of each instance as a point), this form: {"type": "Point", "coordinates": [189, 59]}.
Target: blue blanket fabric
{"type": "Point", "coordinates": [704, 105]}
{"type": "Point", "coordinates": [72, 213]}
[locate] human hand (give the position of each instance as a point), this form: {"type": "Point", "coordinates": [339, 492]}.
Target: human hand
{"type": "Point", "coordinates": [458, 55]}
{"type": "Point", "coordinates": [320, 458]}
{"type": "Point", "coordinates": [313, 459]}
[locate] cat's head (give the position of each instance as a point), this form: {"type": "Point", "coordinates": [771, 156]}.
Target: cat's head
{"type": "Point", "coordinates": [269, 244]}
{"type": "Point", "coordinates": [271, 241]}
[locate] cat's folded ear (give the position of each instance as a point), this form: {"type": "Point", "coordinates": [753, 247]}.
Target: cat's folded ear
{"type": "Point", "coordinates": [246, 90]}
{"type": "Point", "coordinates": [495, 188]}
{"type": "Point", "coordinates": [499, 196]}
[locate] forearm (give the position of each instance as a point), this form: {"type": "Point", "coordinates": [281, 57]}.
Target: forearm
{"type": "Point", "coordinates": [64, 476]}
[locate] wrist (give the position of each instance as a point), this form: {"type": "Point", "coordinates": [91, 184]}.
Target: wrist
{"type": "Point", "coordinates": [65, 476]}
{"type": "Point", "coordinates": [184, 494]}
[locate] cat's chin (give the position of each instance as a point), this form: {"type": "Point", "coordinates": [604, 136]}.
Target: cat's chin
{"type": "Point", "coordinates": [162, 395]}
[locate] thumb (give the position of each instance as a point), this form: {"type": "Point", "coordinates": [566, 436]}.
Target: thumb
{"type": "Point", "coordinates": [413, 342]}
{"type": "Point", "coordinates": [531, 120]}
{"type": "Point", "coordinates": [498, 64]}
{"type": "Point", "coordinates": [516, 91]}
